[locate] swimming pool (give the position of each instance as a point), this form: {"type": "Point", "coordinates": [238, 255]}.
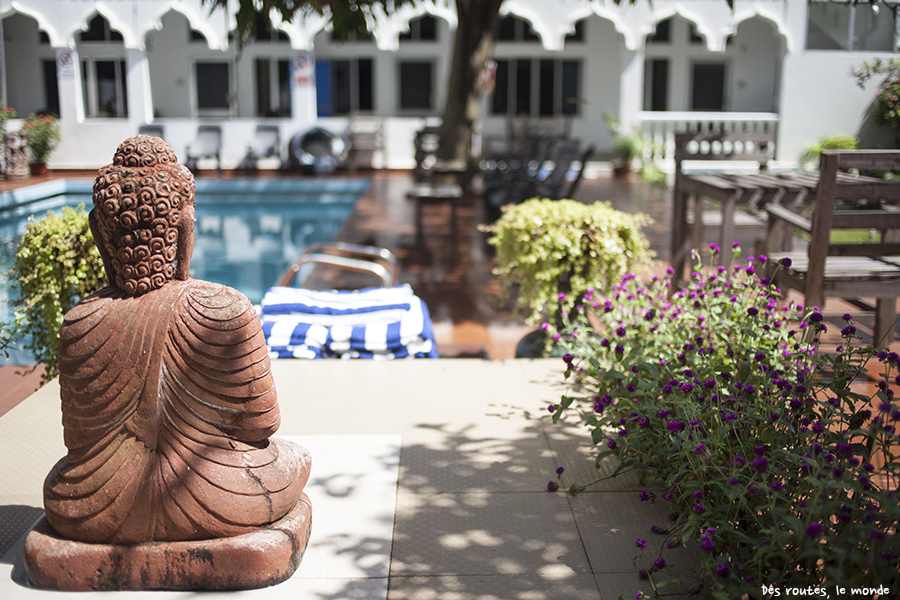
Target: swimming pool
{"type": "Point", "coordinates": [248, 231]}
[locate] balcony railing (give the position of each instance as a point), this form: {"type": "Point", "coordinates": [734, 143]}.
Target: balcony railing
{"type": "Point", "coordinates": [659, 128]}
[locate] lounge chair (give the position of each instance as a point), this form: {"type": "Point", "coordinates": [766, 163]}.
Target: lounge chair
{"type": "Point", "coordinates": [207, 145]}
{"type": "Point", "coordinates": [265, 144]}
{"type": "Point", "coordinates": [384, 322]}
{"type": "Point", "coordinates": [153, 130]}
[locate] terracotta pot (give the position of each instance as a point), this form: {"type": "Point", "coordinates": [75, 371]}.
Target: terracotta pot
{"type": "Point", "coordinates": [621, 170]}
{"type": "Point", "coordinates": [38, 169]}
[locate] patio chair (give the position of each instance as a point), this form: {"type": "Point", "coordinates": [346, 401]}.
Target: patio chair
{"type": "Point", "coordinates": [207, 145]}
{"type": "Point", "coordinates": [265, 144]}
{"type": "Point", "coordinates": [564, 179]}
{"type": "Point", "coordinates": [152, 130]}
{"type": "Point", "coordinates": [384, 322]}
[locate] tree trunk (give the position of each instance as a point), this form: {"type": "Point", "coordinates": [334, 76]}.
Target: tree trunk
{"type": "Point", "coordinates": [473, 46]}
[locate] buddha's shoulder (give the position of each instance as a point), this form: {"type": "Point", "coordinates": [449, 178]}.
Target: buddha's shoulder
{"type": "Point", "coordinates": [215, 301]}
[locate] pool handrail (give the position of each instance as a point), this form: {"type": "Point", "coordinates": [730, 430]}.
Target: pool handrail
{"type": "Point", "coordinates": [379, 262]}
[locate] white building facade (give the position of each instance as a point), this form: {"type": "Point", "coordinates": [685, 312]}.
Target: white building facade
{"type": "Point", "coordinates": [108, 67]}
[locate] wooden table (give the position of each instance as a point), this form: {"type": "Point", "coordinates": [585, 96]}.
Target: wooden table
{"type": "Point", "coordinates": [750, 190]}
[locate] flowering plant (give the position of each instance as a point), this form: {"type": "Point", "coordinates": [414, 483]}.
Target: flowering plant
{"type": "Point", "coordinates": [43, 134]}
{"type": "Point", "coordinates": [776, 465]}
{"type": "Point", "coordinates": [887, 98]}
{"type": "Point", "coordinates": [6, 113]}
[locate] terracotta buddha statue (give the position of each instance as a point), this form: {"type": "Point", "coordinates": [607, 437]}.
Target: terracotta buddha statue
{"type": "Point", "coordinates": [167, 398]}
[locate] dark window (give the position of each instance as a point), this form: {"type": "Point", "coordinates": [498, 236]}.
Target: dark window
{"type": "Point", "coordinates": [51, 87]}
{"type": "Point", "coordinates": [850, 26]}
{"type": "Point", "coordinates": [544, 88]}
{"type": "Point", "coordinates": [694, 37]}
{"type": "Point", "coordinates": [578, 36]}
{"type": "Point", "coordinates": [213, 86]}
{"type": "Point", "coordinates": [415, 86]}
{"type": "Point", "coordinates": [500, 97]}
{"type": "Point", "coordinates": [364, 65]}
{"type": "Point", "coordinates": [571, 92]}
{"type": "Point", "coordinates": [523, 87]}
{"type": "Point", "coordinates": [662, 35]}
{"type": "Point", "coordinates": [658, 72]}
{"type": "Point", "coordinates": [263, 87]}
{"type": "Point", "coordinates": [423, 29]}
{"type": "Point", "coordinates": [514, 29]}
{"type": "Point", "coordinates": [265, 32]}
{"type": "Point", "coordinates": [708, 86]}
{"type": "Point", "coordinates": [284, 88]}
{"type": "Point", "coordinates": [99, 31]}
{"type": "Point", "coordinates": [352, 85]}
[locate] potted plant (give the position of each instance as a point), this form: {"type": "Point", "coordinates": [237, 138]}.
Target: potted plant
{"type": "Point", "coordinates": [43, 134]}
{"type": "Point", "coordinates": [546, 249]}
{"type": "Point", "coordinates": [626, 146]}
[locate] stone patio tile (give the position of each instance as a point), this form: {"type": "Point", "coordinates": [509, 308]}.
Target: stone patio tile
{"type": "Point", "coordinates": [494, 587]}
{"type": "Point", "coordinates": [486, 534]}
{"type": "Point", "coordinates": [478, 457]}
{"type": "Point", "coordinates": [611, 522]}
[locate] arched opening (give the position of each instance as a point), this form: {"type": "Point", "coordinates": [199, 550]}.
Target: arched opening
{"type": "Point", "coordinates": [682, 74]}
{"type": "Point", "coordinates": [103, 70]}
{"type": "Point", "coordinates": [30, 67]}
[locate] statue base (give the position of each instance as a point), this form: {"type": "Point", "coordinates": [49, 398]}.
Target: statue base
{"type": "Point", "coordinates": [262, 558]}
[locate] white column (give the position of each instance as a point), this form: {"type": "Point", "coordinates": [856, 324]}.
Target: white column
{"type": "Point", "coordinates": [631, 91]}
{"type": "Point", "coordinates": [303, 90]}
{"type": "Point", "coordinates": [68, 74]}
{"type": "Point", "coordinates": [140, 98]}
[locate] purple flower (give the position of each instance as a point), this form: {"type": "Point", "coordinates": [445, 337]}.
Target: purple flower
{"type": "Point", "coordinates": [707, 545]}
{"type": "Point", "coordinates": [559, 470]}
{"type": "Point", "coordinates": [760, 464]}
{"type": "Point", "coordinates": [551, 408]}
{"type": "Point", "coordinates": [848, 330]}
{"type": "Point", "coordinates": [631, 388]}
{"type": "Point", "coordinates": [752, 311]}
{"type": "Point", "coordinates": [698, 494]}
{"type": "Point", "coordinates": [641, 543]}
{"type": "Point", "coordinates": [645, 495]}
{"type": "Point", "coordinates": [620, 332]}
{"type": "Point", "coordinates": [700, 449]}
{"type": "Point", "coordinates": [611, 444]}
{"type": "Point", "coordinates": [847, 317]}
{"type": "Point", "coordinates": [660, 562]}
{"type": "Point", "coordinates": [552, 486]}
{"type": "Point", "coordinates": [739, 461]}
{"type": "Point", "coordinates": [619, 349]}
{"type": "Point", "coordinates": [623, 433]}
{"type": "Point", "coordinates": [786, 262]}
{"type": "Point", "coordinates": [714, 248]}
{"type": "Point", "coordinates": [699, 508]}
{"type": "Point", "coordinates": [722, 570]}
{"type": "Point", "coordinates": [814, 530]}
{"type": "Point", "coordinates": [759, 450]}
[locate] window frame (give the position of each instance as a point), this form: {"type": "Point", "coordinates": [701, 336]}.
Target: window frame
{"type": "Point", "coordinates": [230, 96]}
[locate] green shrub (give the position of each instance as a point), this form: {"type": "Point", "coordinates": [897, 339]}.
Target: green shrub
{"type": "Point", "coordinates": [56, 265]}
{"type": "Point", "coordinates": [809, 158]}
{"type": "Point", "coordinates": [545, 246]}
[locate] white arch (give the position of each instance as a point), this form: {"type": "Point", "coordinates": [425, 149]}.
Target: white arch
{"type": "Point", "coordinates": [387, 28]}
{"type": "Point", "coordinates": [56, 39]}
{"type": "Point", "coordinates": [128, 36]}
{"type": "Point", "coordinates": [764, 13]}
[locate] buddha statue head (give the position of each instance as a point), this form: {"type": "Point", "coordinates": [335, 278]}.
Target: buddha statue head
{"type": "Point", "coordinates": [143, 216]}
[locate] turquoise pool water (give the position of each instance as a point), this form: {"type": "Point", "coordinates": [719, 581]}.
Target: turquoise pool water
{"type": "Point", "coordinates": [247, 232]}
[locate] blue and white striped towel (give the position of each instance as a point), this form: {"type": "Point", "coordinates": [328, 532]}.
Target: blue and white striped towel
{"type": "Point", "coordinates": [379, 323]}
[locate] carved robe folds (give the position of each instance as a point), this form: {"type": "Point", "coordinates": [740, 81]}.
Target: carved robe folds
{"type": "Point", "coordinates": [168, 404]}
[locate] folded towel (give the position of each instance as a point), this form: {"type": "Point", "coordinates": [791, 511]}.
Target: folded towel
{"type": "Point", "coordinates": [377, 323]}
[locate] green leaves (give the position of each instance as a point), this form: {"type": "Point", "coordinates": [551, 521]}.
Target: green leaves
{"type": "Point", "coordinates": [56, 265]}
{"type": "Point", "coordinates": [550, 247]}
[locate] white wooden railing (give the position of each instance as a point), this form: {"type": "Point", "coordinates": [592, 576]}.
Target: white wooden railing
{"type": "Point", "coordinates": [659, 128]}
